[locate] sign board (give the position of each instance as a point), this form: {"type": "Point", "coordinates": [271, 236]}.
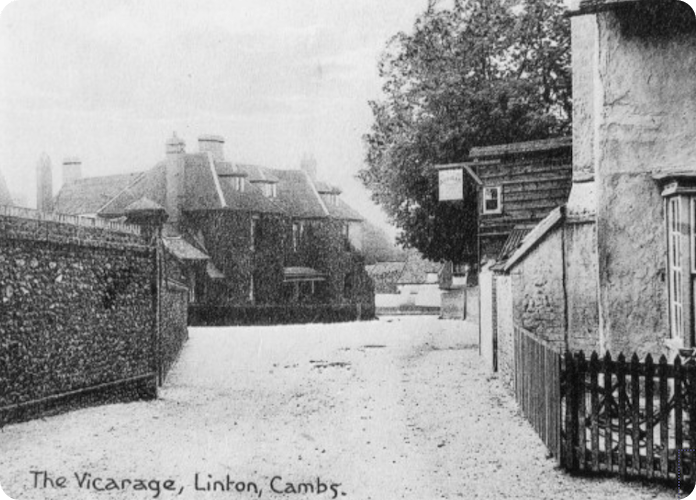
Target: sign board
{"type": "Point", "coordinates": [451, 184]}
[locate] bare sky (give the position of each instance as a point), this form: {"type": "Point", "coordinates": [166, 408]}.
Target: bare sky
{"type": "Point", "coordinates": [109, 80]}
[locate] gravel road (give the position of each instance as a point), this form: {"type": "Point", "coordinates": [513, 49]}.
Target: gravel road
{"type": "Point", "coordinates": [399, 408]}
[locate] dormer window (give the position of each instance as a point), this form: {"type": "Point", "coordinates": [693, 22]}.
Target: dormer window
{"type": "Point", "coordinates": [270, 190]}
{"type": "Point", "coordinates": [238, 184]}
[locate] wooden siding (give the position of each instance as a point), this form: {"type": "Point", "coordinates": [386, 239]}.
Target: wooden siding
{"type": "Point", "coordinates": [532, 185]}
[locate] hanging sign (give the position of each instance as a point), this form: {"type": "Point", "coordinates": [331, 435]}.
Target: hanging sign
{"type": "Point", "coordinates": [451, 184]}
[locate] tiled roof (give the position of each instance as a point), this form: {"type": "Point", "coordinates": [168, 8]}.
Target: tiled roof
{"type": "Point", "coordinates": [513, 242]}
{"type": "Point", "coordinates": [151, 185]}
{"type": "Point", "coordinates": [202, 187]}
{"type": "Point", "coordinates": [257, 173]}
{"type": "Point", "coordinates": [89, 195]}
{"type": "Point", "coordinates": [204, 190]}
{"type": "Point", "coordinates": [385, 275]}
{"type": "Point", "coordinates": [208, 187]}
{"type": "Point", "coordinates": [343, 211]}
{"type": "Point", "coordinates": [225, 168]}
{"type": "Point", "coordinates": [297, 196]}
{"type": "Point", "coordinates": [5, 198]}
{"type": "Point", "coordinates": [249, 200]}
{"type": "Point", "coordinates": [183, 250]}
{"type": "Point", "coordinates": [416, 270]}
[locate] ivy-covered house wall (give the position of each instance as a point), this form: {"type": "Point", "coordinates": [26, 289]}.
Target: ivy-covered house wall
{"type": "Point", "coordinates": [227, 237]}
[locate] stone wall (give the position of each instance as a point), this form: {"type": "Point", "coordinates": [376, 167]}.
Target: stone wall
{"type": "Point", "coordinates": [538, 290]}
{"type": "Point", "coordinates": [77, 310]}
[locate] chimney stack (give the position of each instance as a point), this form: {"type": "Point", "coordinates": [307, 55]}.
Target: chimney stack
{"type": "Point", "coordinates": [309, 165]}
{"type": "Point", "coordinates": [72, 170]}
{"type": "Point", "coordinates": [44, 184]}
{"type": "Point", "coordinates": [175, 178]}
{"type": "Point", "coordinates": [213, 144]}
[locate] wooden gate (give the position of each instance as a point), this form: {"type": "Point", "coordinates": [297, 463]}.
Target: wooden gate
{"type": "Point", "coordinates": [634, 419]}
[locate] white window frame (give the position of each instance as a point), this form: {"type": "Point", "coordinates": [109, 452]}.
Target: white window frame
{"type": "Point", "coordinates": [487, 192]}
{"type": "Point", "coordinates": [675, 265]}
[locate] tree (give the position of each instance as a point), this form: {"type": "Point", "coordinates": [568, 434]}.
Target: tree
{"type": "Point", "coordinates": [475, 73]}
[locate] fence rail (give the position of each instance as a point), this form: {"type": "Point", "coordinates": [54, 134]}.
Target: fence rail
{"type": "Point", "coordinates": [631, 418]}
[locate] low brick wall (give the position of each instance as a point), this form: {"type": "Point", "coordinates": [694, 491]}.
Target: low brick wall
{"type": "Point", "coordinates": [77, 314]}
{"type": "Point", "coordinates": [277, 315]}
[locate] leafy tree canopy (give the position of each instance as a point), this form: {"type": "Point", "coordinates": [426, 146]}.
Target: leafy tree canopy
{"type": "Point", "coordinates": [471, 73]}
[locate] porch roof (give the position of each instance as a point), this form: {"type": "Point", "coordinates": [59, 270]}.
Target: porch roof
{"type": "Point", "coordinates": [183, 250]}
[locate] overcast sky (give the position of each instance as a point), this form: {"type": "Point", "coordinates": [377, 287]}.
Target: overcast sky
{"type": "Point", "coordinates": [110, 80]}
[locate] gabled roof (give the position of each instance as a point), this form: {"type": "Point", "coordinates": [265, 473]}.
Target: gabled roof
{"type": "Point", "coordinates": [89, 195]}
{"type": "Point", "coordinates": [5, 198]}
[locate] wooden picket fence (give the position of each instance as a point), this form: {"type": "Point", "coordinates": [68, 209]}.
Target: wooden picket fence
{"type": "Point", "coordinates": [634, 418]}
{"type": "Point", "coordinates": [538, 387]}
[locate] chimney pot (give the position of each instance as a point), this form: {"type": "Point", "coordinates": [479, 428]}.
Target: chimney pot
{"type": "Point", "coordinates": [175, 145]}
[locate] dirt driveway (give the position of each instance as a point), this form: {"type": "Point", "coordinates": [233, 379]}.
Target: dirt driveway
{"type": "Point", "coordinates": [390, 409]}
